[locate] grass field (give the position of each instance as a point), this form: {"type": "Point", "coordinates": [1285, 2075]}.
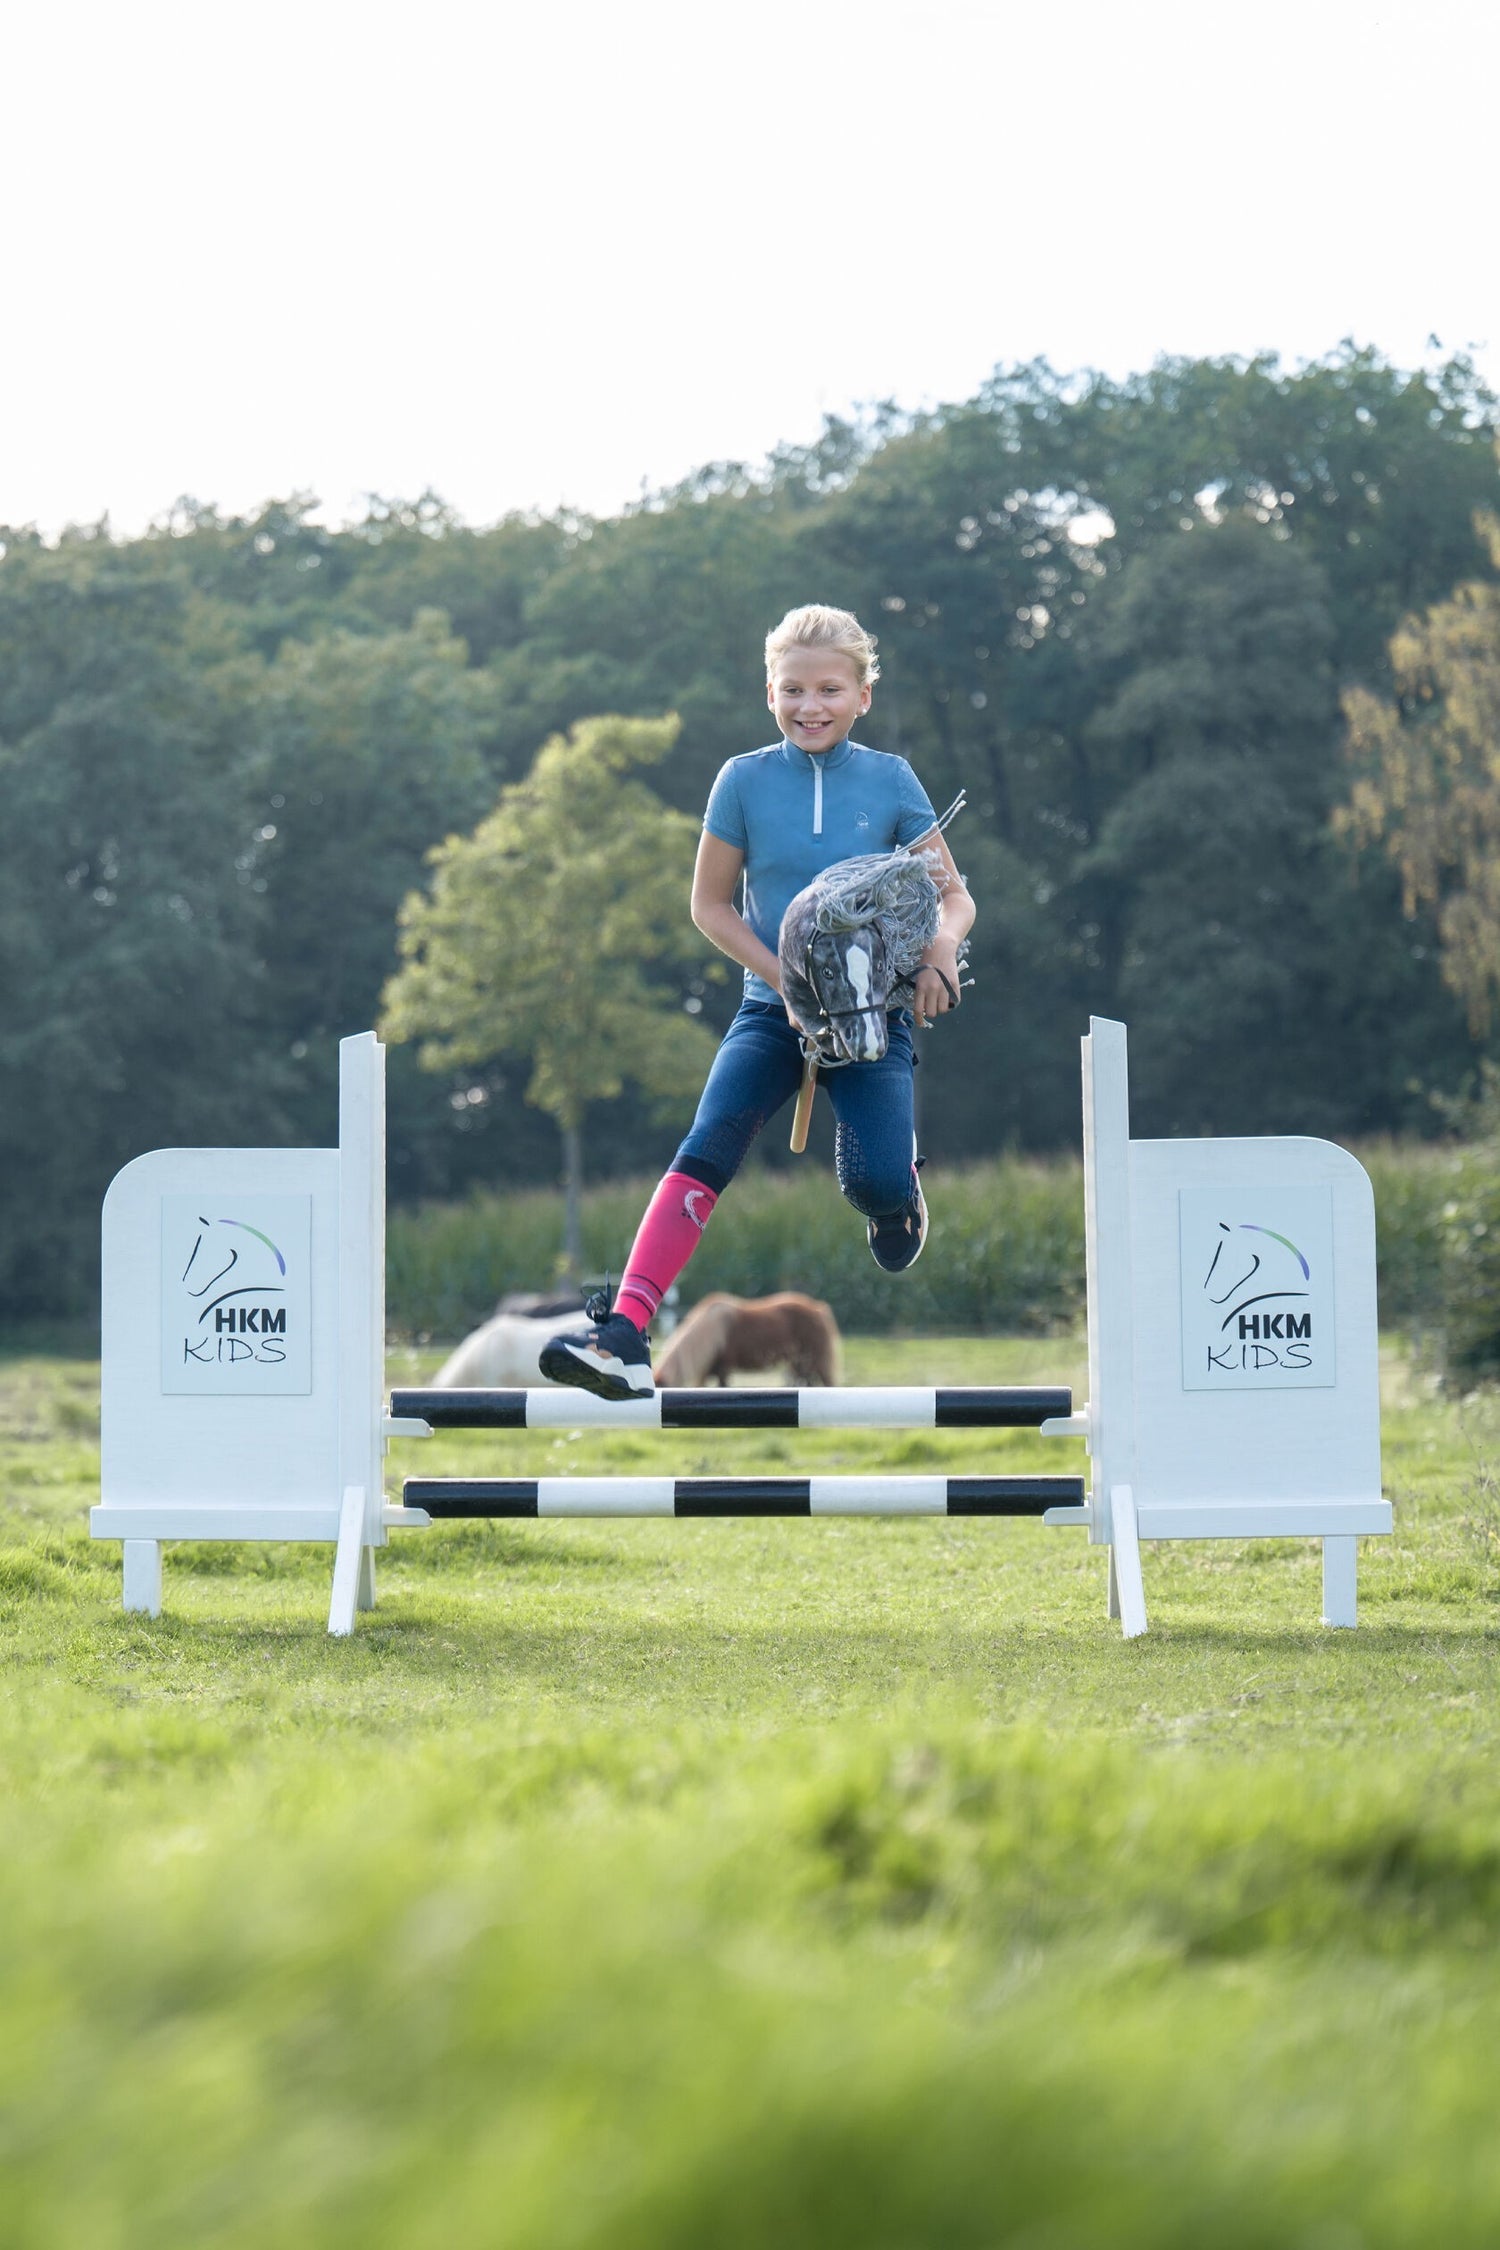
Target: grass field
{"type": "Point", "coordinates": [669, 1885]}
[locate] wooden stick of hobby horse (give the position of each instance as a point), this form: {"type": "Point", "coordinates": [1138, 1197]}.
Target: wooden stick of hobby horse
{"type": "Point", "coordinates": [802, 1115]}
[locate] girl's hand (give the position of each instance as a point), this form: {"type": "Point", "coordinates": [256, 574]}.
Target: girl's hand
{"type": "Point", "coordinates": [934, 996]}
{"type": "Point", "coordinates": [781, 996]}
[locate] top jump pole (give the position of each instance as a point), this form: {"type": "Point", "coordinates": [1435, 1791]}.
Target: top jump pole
{"type": "Point", "coordinates": [964, 1407]}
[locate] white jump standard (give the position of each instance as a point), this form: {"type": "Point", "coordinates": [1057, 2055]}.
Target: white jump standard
{"type": "Point", "coordinates": [1232, 1365]}
{"type": "Point", "coordinates": [1234, 1387]}
{"type": "Point", "coordinates": [243, 1346]}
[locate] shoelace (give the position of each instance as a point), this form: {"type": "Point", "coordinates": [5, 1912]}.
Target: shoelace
{"type": "Point", "coordinates": [599, 1306]}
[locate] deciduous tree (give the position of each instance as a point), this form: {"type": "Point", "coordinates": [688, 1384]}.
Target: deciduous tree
{"type": "Point", "coordinates": [1427, 788]}
{"type": "Point", "coordinates": [552, 932]}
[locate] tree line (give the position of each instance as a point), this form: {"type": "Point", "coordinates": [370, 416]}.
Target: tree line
{"type": "Point", "coordinates": [1127, 616]}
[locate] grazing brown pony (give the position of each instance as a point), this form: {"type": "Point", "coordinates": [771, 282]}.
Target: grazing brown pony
{"type": "Point", "coordinates": [724, 1336]}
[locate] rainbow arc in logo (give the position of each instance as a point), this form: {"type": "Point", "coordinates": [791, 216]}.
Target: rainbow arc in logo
{"type": "Point", "coordinates": [1248, 1226]}
{"type": "Point", "coordinates": [248, 1229]}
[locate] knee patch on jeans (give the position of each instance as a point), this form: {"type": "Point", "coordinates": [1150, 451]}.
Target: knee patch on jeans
{"type": "Point", "coordinates": [872, 1193]}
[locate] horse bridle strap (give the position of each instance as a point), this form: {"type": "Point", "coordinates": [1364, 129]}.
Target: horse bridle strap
{"type": "Point", "coordinates": [830, 1015]}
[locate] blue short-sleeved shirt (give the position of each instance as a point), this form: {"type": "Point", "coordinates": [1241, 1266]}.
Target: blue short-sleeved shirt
{"type": "Point", "coordinates": [792, 815]}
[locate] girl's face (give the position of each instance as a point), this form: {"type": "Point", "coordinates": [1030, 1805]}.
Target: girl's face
{"type": "Point", "coordinates": [817, 696]}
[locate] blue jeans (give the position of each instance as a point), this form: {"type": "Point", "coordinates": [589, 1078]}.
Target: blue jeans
{"type": "Point", "coordinates": [758, 1070]}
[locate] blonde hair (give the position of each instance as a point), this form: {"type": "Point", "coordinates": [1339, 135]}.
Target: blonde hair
{"type": "Point", "coordinates": [815, 626]}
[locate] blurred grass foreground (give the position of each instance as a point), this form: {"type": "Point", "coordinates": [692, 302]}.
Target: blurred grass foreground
{"type": "Point", "coordinates": [644, 1886]}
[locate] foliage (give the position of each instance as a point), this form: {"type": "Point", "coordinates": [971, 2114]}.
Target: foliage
{"type": "Point", "coordinates": [364, 748]}
{"type": "Point", "coordinates": [199, 874]}
{"type": "Point", "coordinates": [1009, 1235]}
{"type": "Point", "coordinates": [1375, 472]}
{"type": "Point", "coordinates": [128, 929]}
{"type": "Point", "coordinates": [538, 928]}
{"type": "Point", "coordinates": [1471, 1272]}
{"type": "Point", "coordinates": [1011, 1263]}
{"type": "Point", "coordinates": [1428, 785]}
{"type": "Point", "coordinates": [361, 750]}
{"type": "Point", "coordinates": [1119, 612]}
{"type": "Point", "coordinates": [1414, 1184]}
{"type": "Point", "coordinates": [540, 931]}
{"type": "Point", "coordinates": [1207, 869]}
{"type": "Point", "coordinates": [1467, 1326]}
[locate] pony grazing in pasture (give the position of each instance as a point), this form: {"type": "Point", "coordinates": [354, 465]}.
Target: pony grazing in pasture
{"type": "Point", "coordinates": [724, 1336]}
{"type": "Point", "coordinates": [503, 1355]}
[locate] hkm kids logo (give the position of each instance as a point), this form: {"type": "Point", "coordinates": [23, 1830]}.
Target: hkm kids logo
{"type": "Point", "coordinates": [236, 1325]}
{"type": "Point", "coordinates": [1261, 1327]}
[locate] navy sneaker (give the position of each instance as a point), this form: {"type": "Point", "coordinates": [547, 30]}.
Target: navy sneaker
{"type": "Point", "coordinates": [611, 1358]}
{"type": "Point", "coordinates": [897, 1237]}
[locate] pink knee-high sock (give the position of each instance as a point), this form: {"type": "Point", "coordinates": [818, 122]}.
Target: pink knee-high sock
{"type": "Point", "coordinates": [665, 1240]}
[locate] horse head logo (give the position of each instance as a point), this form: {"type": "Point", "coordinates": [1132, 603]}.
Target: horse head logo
{"type": "Point", "coordinates": [227, 1257]}
{"type": "Point", "coordinates": [1239, 1274]}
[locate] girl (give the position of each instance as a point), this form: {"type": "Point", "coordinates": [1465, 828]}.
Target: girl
{"type": "Point", "coordinates": [776, 818]}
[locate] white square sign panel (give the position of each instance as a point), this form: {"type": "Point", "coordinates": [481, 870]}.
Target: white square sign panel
{"type": "Point", "coordinates": [1257, 1288]}
{"type": "Point", "coordinates": [236, 1297]}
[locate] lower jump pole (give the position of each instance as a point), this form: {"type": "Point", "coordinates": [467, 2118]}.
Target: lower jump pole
{"type": "Point", "coordinates": [445, 1497]}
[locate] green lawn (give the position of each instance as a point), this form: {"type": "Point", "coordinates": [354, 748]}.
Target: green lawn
{"type": "Point", "coordinates": [744, 1883]}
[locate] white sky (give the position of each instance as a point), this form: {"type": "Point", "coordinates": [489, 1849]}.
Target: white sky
{"type": "Point", "coordinates": [531, 255]}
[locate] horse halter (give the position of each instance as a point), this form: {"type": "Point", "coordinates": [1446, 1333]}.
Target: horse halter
{"type": "Point", "coordinates": [832, 1015]}
{"type": "Point", "coordinates": [825, 997]}
{"type": "Point", "coordinates": [825, 1013]}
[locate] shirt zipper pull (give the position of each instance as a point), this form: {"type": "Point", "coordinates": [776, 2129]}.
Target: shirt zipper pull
{"type": "Point", "coordinates": [818, 798]}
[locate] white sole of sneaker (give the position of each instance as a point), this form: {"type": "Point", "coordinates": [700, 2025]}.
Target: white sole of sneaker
{"type": "Point", "coordinates": [921, 1206]}
{"type": "Point", "coordinates": [584, 1370]}
{"type": "Point", "coordinates": [922, 1222]}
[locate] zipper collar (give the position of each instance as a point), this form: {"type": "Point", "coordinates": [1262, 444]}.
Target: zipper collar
{"type": "Point", "coordinates": [822, 760]}
{"type": "Point", "coordinates": [839, 755]}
